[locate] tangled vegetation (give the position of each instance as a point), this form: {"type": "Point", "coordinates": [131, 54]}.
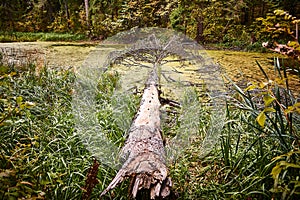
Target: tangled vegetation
{"type": "Point", "coordinates": [40, 157]}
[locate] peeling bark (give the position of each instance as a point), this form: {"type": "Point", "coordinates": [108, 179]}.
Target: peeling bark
{"type": "Point", "coordinates": [143, 152]}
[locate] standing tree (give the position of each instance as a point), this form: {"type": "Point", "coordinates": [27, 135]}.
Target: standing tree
{"type": "Point", "coordinates": [67, 13]}
{"type": "Point", "coordinates": [86, 6]}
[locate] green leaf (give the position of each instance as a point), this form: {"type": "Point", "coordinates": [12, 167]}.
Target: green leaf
{"type": "Point", "coordinates": [261, 119]}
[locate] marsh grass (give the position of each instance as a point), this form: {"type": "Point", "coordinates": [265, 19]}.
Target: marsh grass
{"type": "Point", "coordinates": [115, 109]}
{"type": "Point", "coordinates": [41, 157]}
{"type": "Point", "coordinates": [260, 142]}
{"type": "Point", "coordinates": [258, 155]}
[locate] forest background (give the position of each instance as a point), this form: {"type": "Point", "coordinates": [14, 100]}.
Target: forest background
{"type": "Point", "coordinates": [230, 22]}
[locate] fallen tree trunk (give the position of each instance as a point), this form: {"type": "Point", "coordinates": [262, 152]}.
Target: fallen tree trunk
{"type": "Point", "coordinates": [143, 152]}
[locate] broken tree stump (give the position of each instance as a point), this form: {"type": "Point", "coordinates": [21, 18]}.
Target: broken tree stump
{"type": "Point", "coordinates": [143, 152]}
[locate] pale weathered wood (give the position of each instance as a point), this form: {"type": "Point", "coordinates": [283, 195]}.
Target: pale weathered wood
{"type": "Point", "coordinates": [143, 152]}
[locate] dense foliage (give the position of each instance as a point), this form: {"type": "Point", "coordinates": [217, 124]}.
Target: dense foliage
{"type": "Point", "coordinates": [227, 21]}
{"type": "Point", "coordinates": [41, 156]}
{"type": "Point", "coordinates": [37, 141]}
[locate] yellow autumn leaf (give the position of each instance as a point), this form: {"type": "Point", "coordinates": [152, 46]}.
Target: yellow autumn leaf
{"type": "Point", "coordinates": [261, 119]}
{"type": "Point", "coordinates": [29, 104]}
{"type": "Point", "coordinates": [293, 108]}
{"type": "Point", "coordinates": [251, 87]}
{"type": "Point", "coordinates": [275, 174]}
{"type": "Point", "coordinates": [269, 109]}
{"type": "Point", "coordinates": [287, 164]}
{"type": "Point", "coordinates": [293, 44]}
{"type": "Point", "coordinates": [19, 99]}
{"type": "Point", "coordinates": [276, 171]}
{"type": "Point", "coordinates": [268, 100]}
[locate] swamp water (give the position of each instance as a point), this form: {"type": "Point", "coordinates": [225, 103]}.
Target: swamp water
{"type": "Point", "coordinates": [239, 66]}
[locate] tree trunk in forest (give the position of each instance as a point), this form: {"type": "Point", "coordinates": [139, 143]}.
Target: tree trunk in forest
{"type": "Point", "coordinates": [51, 11]}
{"type": "Point", "coordinates": [200, 29]}
{"type": "Point", "coordinates": [67, 13]}
{"type": "Point", "coordinates": [143, 151]}
{"type": "Point", "coordinates": [86, 6]}
{"type": "Point", "coordinates": [297, 32]}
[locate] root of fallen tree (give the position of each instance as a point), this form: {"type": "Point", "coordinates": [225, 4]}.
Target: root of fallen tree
{"type": "Point", "coordinates": [143, 152]}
